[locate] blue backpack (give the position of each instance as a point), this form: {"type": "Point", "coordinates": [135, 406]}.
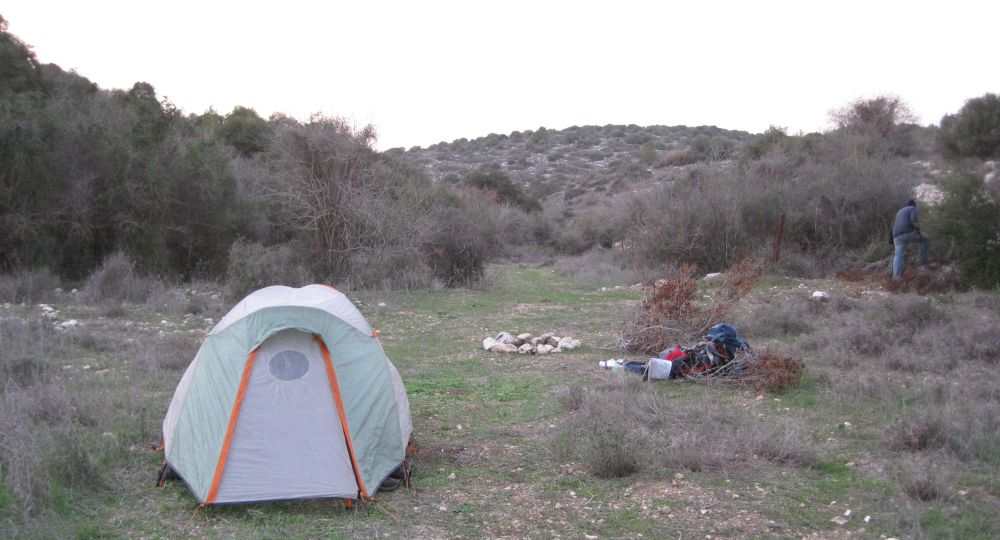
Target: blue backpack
{"type": "Point", "coordinates": [728, 339]}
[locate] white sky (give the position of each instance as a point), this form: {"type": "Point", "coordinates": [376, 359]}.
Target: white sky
{"type": "Point", "coordinates": [427, 71]}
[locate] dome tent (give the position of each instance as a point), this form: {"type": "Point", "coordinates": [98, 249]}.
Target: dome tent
{"type": "Point", "coordinates": [290, 397]}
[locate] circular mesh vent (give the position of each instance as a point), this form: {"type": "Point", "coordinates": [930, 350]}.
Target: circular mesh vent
{"type": "Point", "coordinates": [288, 365]}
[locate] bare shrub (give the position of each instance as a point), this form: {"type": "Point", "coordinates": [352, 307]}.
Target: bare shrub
{"type": "Point", "coordinates": [459, 247]}
{"type": "Point", "coordinates": [117, 281]}
{"type": "Point", "coordinates": [28, 286]}
{"type": "Point", "coordinates": [570, 397]}
{"type": "Point", "coordinates": [663, 317]}
{"type": "Point", "coordinates": [670, 314]}
{"type": "Point", "coordinates": [772, 372]}
{"type": "Point", "coordinates": [921, 479]}
{"type": "Point", "coordinates": [920, 429]}
{"type": "Point", "coordinates": [27, 346]}
{"type": "Point", "coordinates": [42, 450]}
{"type": "Point", "coordinates": [253, 266]}
{"type": "Point", "coordinates": [609, 451]}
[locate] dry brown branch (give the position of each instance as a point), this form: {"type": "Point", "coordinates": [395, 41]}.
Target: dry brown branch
{"type": "Point", "coordinates": [671, 315]}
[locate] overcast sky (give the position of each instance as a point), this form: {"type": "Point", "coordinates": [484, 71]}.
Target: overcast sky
{"type": "Point", "coordinates": [425, 71]}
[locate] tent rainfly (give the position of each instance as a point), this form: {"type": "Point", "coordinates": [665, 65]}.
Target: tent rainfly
{"type": "Point", "coordinates": [290, 397]}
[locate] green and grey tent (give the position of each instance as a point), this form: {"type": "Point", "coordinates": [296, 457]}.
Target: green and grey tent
{"type": "Point", "coordinates": [290, 397]}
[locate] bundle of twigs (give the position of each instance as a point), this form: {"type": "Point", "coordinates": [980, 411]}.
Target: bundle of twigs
{"type": "Point", "coordinates": [762, 371]}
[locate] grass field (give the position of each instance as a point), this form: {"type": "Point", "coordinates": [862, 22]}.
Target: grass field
{"type": "Point", "coordinates": [893, 431]}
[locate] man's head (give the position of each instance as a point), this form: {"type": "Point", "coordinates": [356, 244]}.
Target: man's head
{"type": "Point", "coordinates": [911, 202]}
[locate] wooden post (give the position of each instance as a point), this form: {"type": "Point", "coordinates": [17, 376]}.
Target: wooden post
{"type": "Point", "coordinates": [776, 245]}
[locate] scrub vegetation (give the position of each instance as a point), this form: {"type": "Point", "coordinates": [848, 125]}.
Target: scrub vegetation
{"type": "Point", "coordinates": [896, 416]}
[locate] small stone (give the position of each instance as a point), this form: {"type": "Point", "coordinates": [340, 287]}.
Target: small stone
{"type": "Point", "coordinates": [568, 343]}
{"type": "Point", "coordinates": [703, 511]}
{"type": "Point", "coordinates": [820, 295]}
{"type": "Point", "coordinates": [503, 347]}
{"type": "Point", "coordinates": [451, 476]}
{"type": "Point", "coordinates": [868, 519]}
{"type": "Point", "coordinates": [443, 508]}
{"type": "Point", "coordinates": [505, 338]}
{"type": "Point", "coordinates": [488, 343]}
{"type": "Point", "coordinates": [847, 513]}
{"type": "Point", "coordinates": [381, 304]}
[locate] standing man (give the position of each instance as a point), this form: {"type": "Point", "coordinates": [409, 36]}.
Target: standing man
{"type": "Point", "coordinates": [906, 229]}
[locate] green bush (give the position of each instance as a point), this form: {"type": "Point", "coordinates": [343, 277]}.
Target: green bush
{"type": "Point", "coordinates": [975, 130]}
{"type": "Point", "coordinates": [495, 180]}
{"type": "Point", "coordinates": [965, 227]}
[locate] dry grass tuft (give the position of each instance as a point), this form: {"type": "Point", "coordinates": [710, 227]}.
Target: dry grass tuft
{"type": "Point", "coordinates": [28, 286]}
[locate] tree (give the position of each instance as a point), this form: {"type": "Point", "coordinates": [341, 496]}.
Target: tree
{"type": "Point", "coordinates": [19, 70]}
{"type": "Point", "coordinates": [245, 131]}
{"type": "Point", "coordinates": [876, 125]}
{"type": "Point", "coordinates": [975, 130]}
{"type": "Point", "coordinates": [880, 115]}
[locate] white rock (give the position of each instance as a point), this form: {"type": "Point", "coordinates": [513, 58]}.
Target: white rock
{"type": "Point", "coordinates": [543, 349]}
{"type": "Point", "coordinates": [928, 194]}
{"type": "Point", "coordinates": [526, 348]}
{"type": "Point", "coordinates": [820, 295]}
{"type": "Point", "coordinates": [715, 277]}
{"type": "Point", "coordinates": [488, 343]}
{"type": "Point", "coordinates": [69, 324]}
{"type": "Point", "coordinates": [568, 343]}
{"type": "Point", "coordinates": [505, 338]}
{"type": "Point", "coordinates": [503, 347]}
{"type": "Point", "coordinates": [381, 304]}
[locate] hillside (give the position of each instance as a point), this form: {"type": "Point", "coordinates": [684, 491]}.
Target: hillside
{"type": "Point", "coordinates": [580, 166]}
